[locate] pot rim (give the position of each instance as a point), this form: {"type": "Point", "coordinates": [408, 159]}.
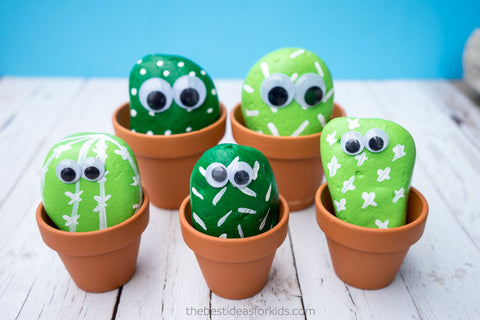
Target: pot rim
{"type": "Point", "coordinates": [234, 249]}
{"type": "Point", "coordinates": [377, 240]}
{"type": "Point", "coordinates": [281, 147]}
{"type": "Point", "coordinates": [108, 239]}
{"type": "Point", "coordinates": [171, 146]}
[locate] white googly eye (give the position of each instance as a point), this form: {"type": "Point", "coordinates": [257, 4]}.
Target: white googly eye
{"type": "Point", "coordinates": [309, 90]}
{"type": "Point", "coordinates": [93, 169]}
{"type": "Point", "coordinates": [68, 171]}
{"type": "Point", "coordinates": [352, 143]}
{"type": "Point", "coordinates": [216, 175]}
{"type": "Point", "coordinates": [376, 140]}
{"type": "Point", "coordinates": [189, 92]}
{"type": "Point", "coordinates": [155, 95]}
{"type": "Point", "coordinates": [277, 90]}
{"type": "Point", "coordinates": [240, 174]}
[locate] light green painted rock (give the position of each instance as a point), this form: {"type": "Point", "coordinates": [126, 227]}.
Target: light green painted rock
{"type": "Point", "coordinates": [171, 94]}
{"type": "Point", "coordinates": [368, 164]}
{"type": "Point", "coordinates": [90, 181]}
{"type": "Point", "coordinates": [288, 92]}
{"type": "Point", "coordinates": [233, 192]}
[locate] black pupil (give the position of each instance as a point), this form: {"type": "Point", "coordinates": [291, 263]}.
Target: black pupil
{"type": "Point", "coordinates": [219, 174]}
{"type": "Point", "coordinates": [352, 145]}
{"type": "Point", "coordinates": [241, 177]}
{"type": "Point", "coordinates": [92, 173]}
{"type": "Point", "coordinates": [156, 100]}
{"type": "Point", "coordinates": [375, 143]}
{"type": "Point", "coordinates": [313, 95]}
{"type": "Point", "coordinates": [68, 174]}
{"type": "Point", "coordinates": [189, 97]}
{"type": "Point", "coordinates": [277, 96]}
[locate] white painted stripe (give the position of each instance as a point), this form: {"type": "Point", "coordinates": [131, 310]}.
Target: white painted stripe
{"type": "Point", "coordinates": [319, 69]}
{"type": "Point", "coordinates": [269, 191]}
{"type": "Point", "coordinates": [248, 192]}
{"type": "Point", "coordinates": [273, 129]}
{"type": "Point", "coordinates": [274, 110]}
{"type": "Point", "coordinates": [198, 194]}
{"type": "Point", "coordinates": [300, 129]}
{"type": "Point", "coordinates": [223, 236]}
{"type": "Point", "coordinates": [262, 225]}
{"type": "Point", "coordinates": [265, 69]}
{"type": "Point", "coordinates": [199, 221]}
{"type": "Point", "coordinates": [328, 95]}
{"type": "Point", "coordinates": [202, 170]}
{"type": "Point", "coordinates": [240, 231]}
{"type": "Point", "coordinates": [219, 196]}
{"type": "Point", "coordinates": [256, 167]}
{"type": "Point", "coordinates": [222, 219]}
{"type": "Point", "coordinates": [248, 89]}
{"type": "Point", "coordinates": [297, 53]}
{"type": "Point", "coordinates": [294, 77]}
{"type": "Point", "coordinates": [247, 210]}
{"type": "Point", "coordinates": [321, 119]}
{"type": "Point", "coordinates": [252, 113]}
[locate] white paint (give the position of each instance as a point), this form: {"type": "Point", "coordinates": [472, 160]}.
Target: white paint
{"type": "Point", "coordinates": [353, 123]}
{"type": "Point", "coordinates": [321, 119]}
{"type": "Point", "coordinates": [273, 109]}
{"type": "Point", "coordinates": [328, 95]}
{"type": "Point", "coordinates": [369, 199]}
{"type": "Point", "coordinates": [269, 191]}
{"type": "Point", "coordinates": [166, 73]}
{"type": "Point", "coordinates": [265, 69]}
{"type": "Point", "coordinates": [300, 129]}
{"type": "Point", "coordinates": [133, 113]}
{"type": "Point", "coordinates": [296, 53]}
{"type": "Point", "coordinates": [167, 132]}
{"type": "Point", "coordinates": [188, 129]}
{"type": "Point", "coordinates": [340, 205]}
{"type": "Point", "coordinates": [151, 113]}
{"type": "Point", "coordinates": [319, 69]}
{"type": "Point", "coordinates": [199, 221]}
{"type": "Point", "coordinates": [159, 63]}
{"type": "Point", "coordinates": [273, 129]}
{"type": "Point", "coordinates": [222, 219]}
{"type": "Point", "coordinates": [214, 92]}
{"type": "Point", "coordinates": [240, 231]}
{"type": "Point", "coordinates": [219, 196]}
{"type": "Point", "coordinates": [400, 193]}
{"type": "Point", "coordinates": [348, 185]}
{"type": "Point", "coordinates": [181, 64]}
{"type": "Point", "coordinates": [361, 158]}
{"type": "Point", "coordinates": [223, 236]}
{"type": "Point", "coordinates": [331, 138]}
{"type": "Point", "coordinates": [382, 225]}
{"type": "Point", "coordinates": [133, 91]}
{"type": "Point", "coordinates": [383, 174]}
{"type": "Point", "coordinates": [262, 224]}
{"type": "Point", "coordinates": [294, 77]}
{"type": "Point", "coordinates": [149, 133]}
{"type": "Point", "coordinates": [192, 74]}
{"type": "Point", "coordinates": [333, 166]}
{"type": "Point", "coordinates": [248, 89]}
{"type": "Point", "coordinates": [256, 167]}
{"type": "Point", "coordinates": [209, 110]}
{"type": "Point", "coordinates": [247, 210]}
{"type": "Point", "coordinates": [248, 192]}
{"type": "Point", "coordinates": [252, 113]}
{"type": "Point", "coordinates": [198, 194]}
{"type": "Point", "coordinates": [203, 72]}
{"type": "Point", "coordinates": [143, 71]}
{"type": "Point", "coordinates": [202, 170]}
{"type": "Point", "coordinates": [399, 152]}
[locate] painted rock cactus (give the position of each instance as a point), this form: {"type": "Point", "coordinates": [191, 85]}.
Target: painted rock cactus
{"type": "Point", "coordinates": [368, 165]}
{"type": "Point", "coordinates": [90, 181]}
{"type": "Point", "coordinates": [233, 192]}
{"type": "Point", "coordinates": [170, 94]}
{"type": "Point", "coordinates": [288, 92]}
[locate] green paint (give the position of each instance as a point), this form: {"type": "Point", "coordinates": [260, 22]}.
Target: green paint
{"type": "Point", "coordinates": [369, 177]}
{"type": "Point", "coordinates": [233, 192]}
{"type": "Point", "coordinates": [99, 186]}
{"type": "Point", "coordinates": [294, 73]}
{"type": "Point", "coordinates": [171, 94]}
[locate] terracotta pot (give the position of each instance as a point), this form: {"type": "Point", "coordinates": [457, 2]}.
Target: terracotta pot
{"type": "Point", "coordinates": [295, 161]}
{"type": "Point", "coordinates": [234, 268]}
{"type": "Point", "coordinates": [166, 162]}
{"type": "Point", "coordinates": [369, 258]}
{"type": "Point", "coordinates": [98, 261]}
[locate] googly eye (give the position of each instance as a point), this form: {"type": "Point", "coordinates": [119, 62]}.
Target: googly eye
{"type": "Point", "coordinates": [68, 171]}
{"type": "Point", "coordinates": [93, 169]}
{"type": "Point", "coordinates": [277, 90]}
{"type": "Point", "coordinates": [155, 95]}
{"type": "Point", "coordinates": [352, 143]}
{"type": "Point", "coordinates": [216, 175]}
{"type": "Point", "coordinates": [189, 92]}
{"type": "Point", "coordinates": [309, 90]}
{"type": "Point", "coordinates": [240, 174]}
{"type": "Point", "coordinates": [376, 140]}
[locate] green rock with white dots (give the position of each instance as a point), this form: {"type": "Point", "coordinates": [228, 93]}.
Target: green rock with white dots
{"type": "Point", "coordinates": [288, 92]}
{"type": "Point", "coordinates": [233, 192]}
{"type": "Point", "coordinates": [170, 94]}
{"type": "Point", "coordinates": [368, 165]}
{"type": "Point", "coordinates": [90, 181]}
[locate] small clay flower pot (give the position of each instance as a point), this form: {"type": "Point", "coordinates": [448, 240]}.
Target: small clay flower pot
{"type": "Point", "coordinates": [98, 261]}
{"type": "Point", "coordinates": [166, 162]}
{"type": "Point", "coordinates": [369, 258]}
{"type": "Point", "coordinates": [295, 161]}
{"type": "Point", "coordinates": [234, 268]}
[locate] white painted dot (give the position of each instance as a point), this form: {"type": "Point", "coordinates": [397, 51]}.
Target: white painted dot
{"type": "Point", "coordinates": [139, 61]}
{"type": "Point", "coordinates": [203, 72]}
{"type": "Point", "coordinates": [181, 64]}
{"type": "Point", "coordinates": [209, 110]}
{"type": "Point", "coordinates": [133, 130]}
{"type": "Point", "coordinates": [151, 114]}
{"type": "Point", "coordinates": [150, 132]}
{"type": "Point", "coordinates": [166, 73]}
{"type": "Point", "coordinates": [188, 129]}
{"type": "Point", "coordinates": [133, 91]}
{"type": "Point", "coordinates": [168, 132]}
{"type": "Point", "coordinates": [159, 63]}
{"type": "Point", "coordinates": [214, 92]}
{"type": "Point", "coordinates": [133, 113]}
{"type": "Point", "coordinates": [143, 71]}
{"type": "Point", "coordinates": [192, 74]}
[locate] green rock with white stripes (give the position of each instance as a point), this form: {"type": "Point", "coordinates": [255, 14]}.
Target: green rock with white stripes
{"type": "Point", "coordinates": [90, 181]}
{"type": "Point", "coordinates": [233, 192]}
{"type": "Point", "coordinates": [368, 165]}
{"type": "Point", "coordinates": [288, 92]}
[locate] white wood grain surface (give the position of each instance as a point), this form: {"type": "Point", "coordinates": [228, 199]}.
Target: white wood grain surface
{"type": "Point", "coordinates": [440, 278]}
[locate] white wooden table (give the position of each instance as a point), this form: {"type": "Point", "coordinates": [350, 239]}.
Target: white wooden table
{"type": "Point", "coordinates": [439, 279]}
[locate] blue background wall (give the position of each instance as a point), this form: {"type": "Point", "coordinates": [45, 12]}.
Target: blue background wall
{"type": "Point", "coordinates": [357, 39]}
